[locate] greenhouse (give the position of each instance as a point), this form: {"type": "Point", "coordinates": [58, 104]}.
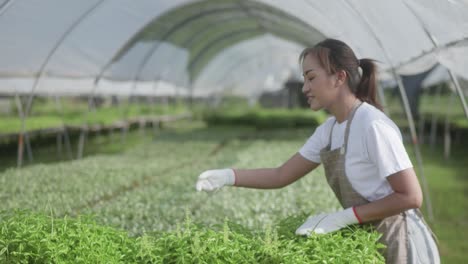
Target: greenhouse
{"type": "Point", "coordinates": [111, 109]}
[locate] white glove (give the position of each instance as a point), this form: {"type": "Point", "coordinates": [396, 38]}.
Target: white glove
{"type": "Point", "coordinates": [211, 180]}
{"type": "Point", "coordinates": [326, 223]}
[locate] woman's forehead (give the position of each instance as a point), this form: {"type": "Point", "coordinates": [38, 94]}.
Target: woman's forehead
{"type": "Point", "coordinates": [310, 62]}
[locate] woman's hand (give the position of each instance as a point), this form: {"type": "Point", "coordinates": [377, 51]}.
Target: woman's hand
{"type": "Point", "coordinates": [326, 223]}
{"type": "Point", "coordinates": [211, 180]}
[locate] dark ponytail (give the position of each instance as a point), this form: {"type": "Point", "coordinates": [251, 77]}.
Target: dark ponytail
{"type": "Point", "coordinates": [335, 55]}
{"type": "Point", "coordinates": [367, 88]}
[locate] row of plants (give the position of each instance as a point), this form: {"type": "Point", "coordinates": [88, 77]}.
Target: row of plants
{"type": "Point", "coordinates": [28, 237]}
{"type": "Point", "coordinates": [264, 118]}
{"type": "Point", "coordinates": [149, 190]}
{"type": "Point", "coordinates": [222, 147]}
{"type": "Point", "coordinates": [431, 106]}
{"type": "Point", "coordinates": [135, 190]}
{"type": "Point", "coordinates": [76, 115]}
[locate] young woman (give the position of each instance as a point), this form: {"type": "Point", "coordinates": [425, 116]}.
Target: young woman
{"type": "Point", "coordinates": [363, 155]}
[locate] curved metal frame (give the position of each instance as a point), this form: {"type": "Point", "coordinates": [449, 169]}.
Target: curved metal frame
{"type": "Point", "coordinates": [174, 29]}
{"type": "Point", "coordinates": [217, 40]}
{"type": "Point", "coordinates": [41, 75]}
{"type": "Point", "coordinates": [6, 6]}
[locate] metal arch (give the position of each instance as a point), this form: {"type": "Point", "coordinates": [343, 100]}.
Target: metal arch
{"type": "Point", "coordinates": [192, 39]}
{"type": "Point", "coordinates": [183, 23]}
{"type": "Point", "coordinates": [128, 43]}
{"type": "Point", "coordinates": [260, 20]}
{"type": "Point", "coordinates": [281, 14]}
{"type": "Point", "coordinates": [224, 37]}
{"type": "Point", "coordinates": [135, 36]}
{"type": "Point", "coordinates": [436, 45]}
{"type": "Point", "coordinates": [116, 56]}
{"type": "Point", "coordinates": [123, 49]}
{"type": "Point", "coordinates": [46, 61]}
{"type": "Point", "coordinates": [6, 6]}
{"type": "Point", "coordinates": [199, 35]}
{"type": "Point", "coordinates": [447, 45]}
{"type": "Point", "coordinates": [195, 36]}
{"type": "Point", "coordinates": [235, 81]}
{"type": "Point", "coordinates": [405, 104]}
{"type": "Point", "coordinates": [172, 30]}
{"type": "Point", "coordinates": [219, 39]}
{"type": "Point", "coordinates": [281, 34]}
{"type": "Point", "coordinates": [245, 59]}
{"type": "Point", "coordinates": [150, 52]}
{"type": "Point", "coordinates": [210, 44]}
{"type": "Point", "coordinates": [3, 8]}
{"type": "Point", "coordinates": [56, 46]}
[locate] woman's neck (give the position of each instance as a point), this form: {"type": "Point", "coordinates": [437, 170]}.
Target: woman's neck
{"type": "Point", "coordinates": [343, 108]}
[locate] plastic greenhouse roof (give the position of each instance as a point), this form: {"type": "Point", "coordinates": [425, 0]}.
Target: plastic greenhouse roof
{"type": "Point", "coordinates": [201, 48]}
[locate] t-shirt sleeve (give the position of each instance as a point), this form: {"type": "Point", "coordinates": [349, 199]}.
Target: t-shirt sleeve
{"type": "Point", "coordinates": [311, 149]}
{"type": "Point", "coordinates": [385, 148]}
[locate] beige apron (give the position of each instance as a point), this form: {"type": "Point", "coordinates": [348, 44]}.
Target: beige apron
{"type": "Point", "coordinates": [394, 229]}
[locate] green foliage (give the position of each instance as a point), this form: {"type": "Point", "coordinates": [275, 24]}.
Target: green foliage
{"type": "Point", "coordinates": [144, 188]}
{"type": "Point", "coordinates": [430, 106]}
{"type": "Point", "coordinates": [37, 238]}
{"type": "Point", "coordinates": [448, 186]}
{"type": "Point", "coordinates": [75, 113]}
{"type": "Point", "coordinates": [265, 118]}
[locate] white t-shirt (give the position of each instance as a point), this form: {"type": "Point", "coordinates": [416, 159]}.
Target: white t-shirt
{"type": "Point", "coordinates": [375, 150]}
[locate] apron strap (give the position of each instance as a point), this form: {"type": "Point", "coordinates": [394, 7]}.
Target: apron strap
{"type": "Point", "coordinates": [348, 125]}
{"type": "Point", "coordinates": [330, 135]}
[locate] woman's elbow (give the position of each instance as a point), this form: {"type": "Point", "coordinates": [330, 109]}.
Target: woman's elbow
{"type": "Point", "coordinates": [415, 201]}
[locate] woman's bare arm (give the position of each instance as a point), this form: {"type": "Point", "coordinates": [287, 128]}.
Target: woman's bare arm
{"type": "Point", "coordinates": [407, 195]}
{"type": "Point", "coordinates": [272, 178]}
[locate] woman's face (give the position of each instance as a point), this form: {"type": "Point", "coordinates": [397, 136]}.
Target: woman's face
{"type": "Point", "coordinates": [320, 88]}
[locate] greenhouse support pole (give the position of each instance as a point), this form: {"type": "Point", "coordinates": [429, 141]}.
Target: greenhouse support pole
{"type": "Point", "coordinates": [433, 135]}
{"type": "Point", "coordinates": [421, 123]}
{"type": "Point", "coordinates": [59, 145]}
{"type": "Point", "coordinates": [381, 95]}
{"type": "Point", "coordinates": [27, 141]}
{"type": "Point", "coordinates": [58, 105]}
{"type": "Point", "coordinates": [459, 91]}
{"type": "Point", "coordinates": [447, 136]}
{"type": "Point", "coordinates": [150, 53]}
{"type": "Point", "coordinates": [85, 127]}
{"type": "Point", "coordinates": [41, 74]}
{"type": "Point", "coordinates": [23, 138]}
{"type": "Point", "coordinates": [407, 110]}
{"type": "Point", "coordinates": [81, 142]}
{"type": "Point", "coordinates": [59, 42]}
{"type": "Point", "coordinates": [21, 134]}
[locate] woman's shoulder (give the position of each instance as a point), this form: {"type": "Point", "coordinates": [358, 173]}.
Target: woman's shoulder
{"type": "Point", "coordinates": [370, 116]}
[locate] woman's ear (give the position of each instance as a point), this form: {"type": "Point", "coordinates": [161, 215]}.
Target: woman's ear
{"type": "Point", "coordinates": [341, 76]}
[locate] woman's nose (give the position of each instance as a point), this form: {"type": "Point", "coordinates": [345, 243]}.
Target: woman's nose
{"type": "Point", "coordinates": [304, 88]}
